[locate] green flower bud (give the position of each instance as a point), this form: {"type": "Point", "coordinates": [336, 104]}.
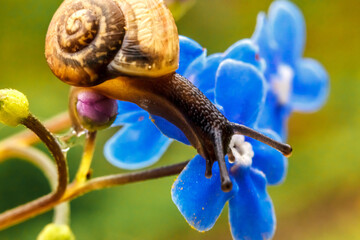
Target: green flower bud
{"type": "Point", "coordinates": [14, 107]}
{"type": "Point", "coordinates": [54, 231]}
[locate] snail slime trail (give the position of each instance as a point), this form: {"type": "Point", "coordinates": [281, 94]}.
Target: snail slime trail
{"type": "Point", "coordinates": [129, 50]}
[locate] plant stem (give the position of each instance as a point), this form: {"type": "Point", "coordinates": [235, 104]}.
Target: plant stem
{"type": "Point", "coordinates": [47, 166]}
{"type": "Point", "coordinates": [25, 211]}
{"type": "Point", "coordinates": [125, 178]}
{"type": "Point", "coordinates": [55, 124]}
{"type": "Point", "coordinates": [86, 159]}
{"type": "Point", "coordinates": [41, 205]}
{"type": "Point", "coordinates": [54, 147]}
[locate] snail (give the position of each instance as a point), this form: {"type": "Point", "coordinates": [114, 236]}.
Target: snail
{"type": "Point", "coordinates": [129, 50]}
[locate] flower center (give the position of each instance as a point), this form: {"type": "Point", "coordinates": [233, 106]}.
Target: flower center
{"type": "Point", "coordinates": [281, 83]}
{"type": "Point", "coordinates": [242, 151]}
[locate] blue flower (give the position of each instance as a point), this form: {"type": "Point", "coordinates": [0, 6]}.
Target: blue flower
{"type": "Point", "coordinates": [295, 83]}
{"type": "Point", "coordinates": [201, 200]}
{"type": "Point", "coordinates": [139, 143]}
{"type": "Point", "coordinates": [238, 88]}
{"type": "Point", "coordinates": [202, 73]}
{"type": "Point", "coordinates": [240, 91]}
{"type": "Point", "coordinates": [234, 82]}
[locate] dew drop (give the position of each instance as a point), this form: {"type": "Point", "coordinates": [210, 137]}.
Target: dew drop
{"type": "Point", "coordinates": [70, 139]}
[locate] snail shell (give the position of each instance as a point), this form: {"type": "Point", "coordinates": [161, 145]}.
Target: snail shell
{"type": "Point", "coordinates": [90, 41]}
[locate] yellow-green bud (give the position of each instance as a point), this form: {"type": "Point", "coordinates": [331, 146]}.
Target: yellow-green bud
{"type": "Point", "coordinates": [14, 107]}
{"type": "Point", "coordinates": [54, 231]}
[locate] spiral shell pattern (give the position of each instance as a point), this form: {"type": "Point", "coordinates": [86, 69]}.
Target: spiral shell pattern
{"type": "Point", "coordinates": [84, 36]}
{"type": "Point", "coordinates": [151, 42]}
{"type": "Point", "coordinates": [90, 41]}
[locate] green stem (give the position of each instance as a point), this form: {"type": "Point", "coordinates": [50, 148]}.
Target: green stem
{"type": "Point", "coordinates": [26, 137]}
{"type": "Point", "coordinates": [126, 178]}
{"type": "Point", "coordinates": [86, 159]}
{"type": "Point", "coordinates": [26, 211]}
{"type": "Point", "coordinates": [44, 163]}
{"type": "Point", "coordinates": [43, 204]}
{"type": "Point", "coordinates": [54, 147]}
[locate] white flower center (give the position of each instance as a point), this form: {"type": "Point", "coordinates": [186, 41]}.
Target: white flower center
{"type": "Point", "coordinates": [281, 83]}
{"type": "Point", "coordinates": [241, 150]}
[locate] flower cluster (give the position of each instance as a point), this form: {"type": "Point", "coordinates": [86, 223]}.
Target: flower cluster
{"type": "Point", "coordinates": [295, 83]}
{"type": "Point", "coordinates": [236, 85]}
{"type": "Point", "coordinates": [256, 82]}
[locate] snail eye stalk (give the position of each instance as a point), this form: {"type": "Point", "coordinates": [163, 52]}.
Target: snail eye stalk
{"type": "Point", "coordinates": [226, 184]}
{"type": "Point", "coordinates": [285, 149]}
{"type": "Point", "coordinates": [219, 156]}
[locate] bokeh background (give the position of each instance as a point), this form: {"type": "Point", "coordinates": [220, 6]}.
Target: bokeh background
{"type": "Point", "coordinates": [320, 198]}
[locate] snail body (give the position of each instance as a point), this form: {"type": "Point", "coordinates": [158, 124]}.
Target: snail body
{"type": "Point", "coordinates": [129, 50]}
{"type": "Point", "coordinates": [176, 99]}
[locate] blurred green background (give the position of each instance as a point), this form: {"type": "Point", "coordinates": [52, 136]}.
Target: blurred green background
{"type": "Point", "coordinates": [320, 198]}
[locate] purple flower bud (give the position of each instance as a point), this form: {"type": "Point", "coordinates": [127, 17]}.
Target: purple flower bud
{"type": "Point", "coordinates": [95, 111]}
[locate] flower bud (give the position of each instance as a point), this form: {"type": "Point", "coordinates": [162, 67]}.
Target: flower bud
{"type": "Point", "coordinates": [14, 107]}
{"type": "Point", "coordinates": [93, 110]}
{"type": "Point", "coordinates": [54, 231]}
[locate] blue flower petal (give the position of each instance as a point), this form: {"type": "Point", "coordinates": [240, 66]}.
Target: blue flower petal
{"type": "Point", "coordinates": [245, 51]}
{"type": "Point", "coordinates": [205, 80]}
{"type": "Point", "coordinates": [136, 146]}
{"type": "Point", "coordinates": [287, 26]}
{"type": "Point", "coordinates": [200, 200]}
{"type": "Point", "coordinates": [195, 67]}
{"type": "Point", "coordinates": [240, 90]}
{"type": "Point", "coordinates": [310, 86]}
{"type": "Point", "coordinates": [169, 129]}
{"type": "Point", "coordinates": [274, 115]}
{"type": "Point", "coordinates": [251, 211]}
{"type": "Point", "coordinates": [129, 113]}
{"type": "Point", "coordinates": [268, 160]}
{"type": "Point", "coordinates": [189, 50]}
{"type": "Point", "coordinates": [267, 46]}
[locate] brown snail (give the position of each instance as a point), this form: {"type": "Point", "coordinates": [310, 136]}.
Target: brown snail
{"type": "Point", "coordinates": [129, 50]}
